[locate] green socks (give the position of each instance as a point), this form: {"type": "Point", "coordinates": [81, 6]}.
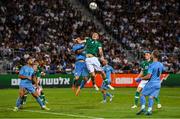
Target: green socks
{"type": "Point", "coordinates": [136, 98]}
{"type": "Point", "coordinates": [157, 100]}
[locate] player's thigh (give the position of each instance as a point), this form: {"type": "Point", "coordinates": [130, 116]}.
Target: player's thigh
{"type": "Point", "coordinates": [35, 94]}
{"type": "Point", "coordinates": [39, 90]}
{"type": "Point", "coordinates": [90, 68]}
{"type": "Point", "coordinates": [155, 92]}
{"type": "Point", "coordinates": [139, 89]}
{"type": "Point", "coordinates": [85, 71]}
{"type": "Point", "coordinates": [30, 88]}
{"type": "Point", "coordinates": [97, 65]}
{"type": "Point", "coordinates": [77, 70]}
{"type": "Point", "coordinates": [147, 90]}
{"type": "Point", "coordinates": [142, 84]}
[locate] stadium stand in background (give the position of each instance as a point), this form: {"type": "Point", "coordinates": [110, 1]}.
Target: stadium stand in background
{"type": "Point", "coordinates": [45, 29]}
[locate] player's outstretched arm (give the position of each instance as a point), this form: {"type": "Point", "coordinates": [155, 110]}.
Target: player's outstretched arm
{"type": "Point", "coordinates": [101, 53]}
{"type": "Point", "coordinates": [147, 77]}
{"type": "Point", "coordinates": [140, 74]}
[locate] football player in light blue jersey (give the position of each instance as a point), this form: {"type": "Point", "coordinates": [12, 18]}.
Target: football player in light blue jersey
{"type": "Point", "coordinates": [106, 83]}
{"type": "Point", "coordinates": [26, 75]}
{"type": "Point", "coordinates": [80, 65]}
{"type": "Point", "coordinates": [152, 88]}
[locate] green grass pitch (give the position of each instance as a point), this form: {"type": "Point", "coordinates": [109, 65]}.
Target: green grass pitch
{"type": "Point", "coordinates": [64, 104]}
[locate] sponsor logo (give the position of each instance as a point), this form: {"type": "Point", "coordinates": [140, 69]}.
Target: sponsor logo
{"type": "Point", "coordinates": [124, 80]}
{"type": "Point", "coordinates": [46, 81]}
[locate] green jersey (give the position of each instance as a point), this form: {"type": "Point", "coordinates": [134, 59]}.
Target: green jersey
{"type": "Point", "coordinates": [144, 67]}
{"type": "Point", "coordinates": [39, 70]}
{"type": "Point", "coordinates": [92, 46]}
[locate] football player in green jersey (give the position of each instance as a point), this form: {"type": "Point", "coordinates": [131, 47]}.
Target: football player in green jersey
{"type": "Point", "coordinates": [94, 53]}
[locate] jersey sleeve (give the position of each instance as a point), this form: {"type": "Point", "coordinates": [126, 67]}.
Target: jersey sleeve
{"type": "Point", "coordinates": [74, 48]}
{"type": "Point", "coordinates": [87, 39]}
{"type": "Point", "coordinates": [21, 72]}
{"type": "Point", "coordinates": [99, 45]}
{"type": "Point", "coordinates": [150, 69]}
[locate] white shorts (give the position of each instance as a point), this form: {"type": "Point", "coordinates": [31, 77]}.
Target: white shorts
{"type": "Point", "coordinates": [93, 64]}
{"type": "Point", "coordinates": [142, 84]}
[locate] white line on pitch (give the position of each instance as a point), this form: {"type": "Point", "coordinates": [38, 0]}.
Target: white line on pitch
{"type": "Point", "coordinates": [62, 114]}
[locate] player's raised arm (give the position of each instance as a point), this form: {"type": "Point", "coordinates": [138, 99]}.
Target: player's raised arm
{"type": "Point", "coordinates": [101, 53]}
{"type": "Point", "coordinates": [81, 41]}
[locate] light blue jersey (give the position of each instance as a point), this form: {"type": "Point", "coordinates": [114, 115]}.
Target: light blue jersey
{"type": "Point", "coordinates": [77, 47]}
{"type": "Point", "coordinates": [152, 88]}
{"type": "Point", "coordinates": [80, 66]}
{"type": "Point", "coordinates": [108, 70]}
{"type": "Point", "coordinates": [26, 83]}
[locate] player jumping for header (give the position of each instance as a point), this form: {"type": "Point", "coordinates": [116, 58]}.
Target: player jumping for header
{"type": "Point", "coordinates": [93, 50]}
{"type": "Point", "coordinates": [80, 65]}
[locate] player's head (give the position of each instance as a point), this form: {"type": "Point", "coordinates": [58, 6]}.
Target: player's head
{"type": "Point", "coordinates": [77, 40]}
{"type": "Point", "coordinates": [104, 62]}
{"type": "Point", "coordinates": [95, 36]}
{"type": "Point", "coordinates": [30, 61]}
{"type": "Point", "coordinates": [155, 54]}
{"type": "Point", "coordinates": [147, 55]}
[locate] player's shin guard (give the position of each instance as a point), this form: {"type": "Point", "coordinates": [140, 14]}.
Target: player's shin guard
{"type": "Point", "coordinates": [19, 102]}
{"type": "Point", "coordinates": [150, 104]}
{"type": "Point", "coordinates": [157, 100]}
{"type": "Point", "coordinates": [38, 99]}
{"type": "Point", "coordinates": [42, 96]}
{"type": "Point", "coordinates": [136, 98]}
{"type": "Point", "coordinates": [143, 101]}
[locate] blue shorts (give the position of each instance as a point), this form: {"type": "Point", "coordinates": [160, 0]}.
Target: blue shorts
{"type": "Point", "coordinates": [81, 69]}
{"type": "Point", "coordinates": [27, 84]}
{"type": "Point", "coordinates": [151, 90]}
{"type": "Point", "coordinates": [104, 85]}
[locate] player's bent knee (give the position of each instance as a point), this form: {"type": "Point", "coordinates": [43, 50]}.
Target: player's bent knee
{"type": "Point", "coordinates": [103, 91]}
{"type": "Point", "coordinates": [76, 77]}
{"type": "Point", "coordinates": [35, 94]}
{"type": "Point", "coordinates": [151, 97]}
{"type": "Point", "coordinates": [139, 89]}
{"type": "Point", "coordinates": [93, 75]}
{"type": "Point", "coordinates": [21, 93]}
